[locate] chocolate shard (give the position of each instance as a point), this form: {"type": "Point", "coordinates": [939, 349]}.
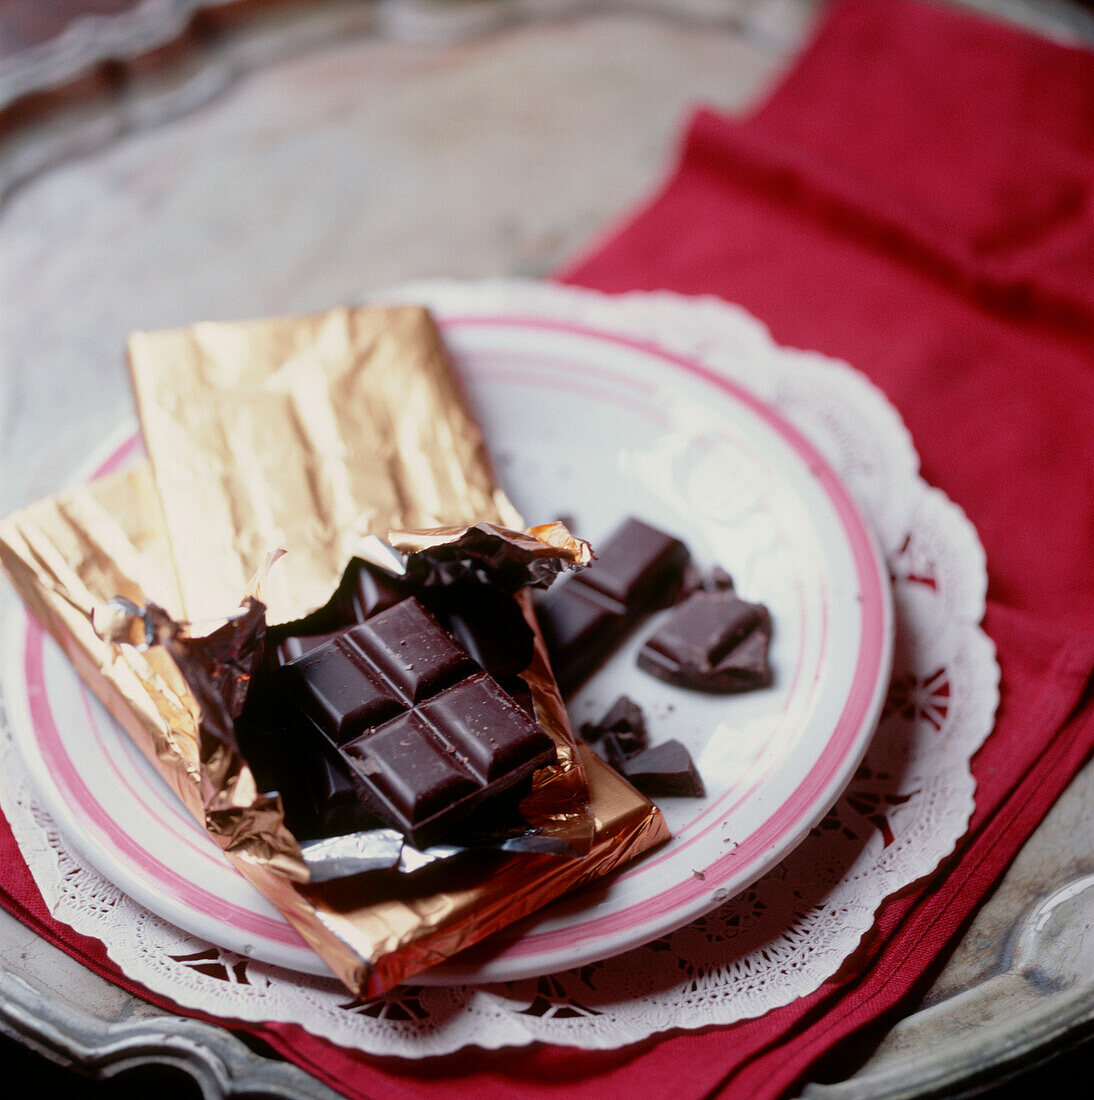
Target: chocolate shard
{"type": "Point", "coordinates": [625, 715]}
{"type": "Point", "coordinates": [426, 734]}
{"type": "Point", "coordinates": [624, 721]}
{"type": "Point", "coordinates": [637, 570]}
{"type": "Point", "coordinates": [714, 641]}
{"type": "Point", "coordinates": [618, 748]}
{"type": "Point", "coordinates": [665, 770]}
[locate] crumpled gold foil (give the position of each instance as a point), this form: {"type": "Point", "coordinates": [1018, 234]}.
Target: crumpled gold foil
{"type": "Point", "coordinates": [306, 435]}
{"type": "Point", "coordinates": [69, 554]}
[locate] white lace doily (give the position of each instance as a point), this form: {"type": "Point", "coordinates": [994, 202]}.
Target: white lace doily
{"type": "Point", "coordinates": [905, 809]}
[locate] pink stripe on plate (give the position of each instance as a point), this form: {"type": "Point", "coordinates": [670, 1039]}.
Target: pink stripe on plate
{"type": "Point", "coordinates": [132, 446]}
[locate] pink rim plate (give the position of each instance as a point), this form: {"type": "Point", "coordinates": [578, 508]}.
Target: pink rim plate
{"type": "Point", "coordinates": [834, 647]}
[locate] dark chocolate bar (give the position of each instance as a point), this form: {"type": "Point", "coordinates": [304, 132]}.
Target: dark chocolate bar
{"type": "Point", "coordinates": [428, 734]}
{"type": "Point", "coordinates": [636, 571]}
{"type": "Point", "coordinates": [714, 641]}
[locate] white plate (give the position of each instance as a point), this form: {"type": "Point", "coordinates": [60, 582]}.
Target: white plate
{"type": "Point", "coordinates": [593, 425]}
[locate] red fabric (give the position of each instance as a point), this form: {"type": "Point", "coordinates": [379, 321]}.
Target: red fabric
{"type": "Point", "coordinates": [917, 199]}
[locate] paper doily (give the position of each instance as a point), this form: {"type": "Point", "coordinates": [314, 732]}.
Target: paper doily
{"type": "Point", "coordinates": [903, 812]}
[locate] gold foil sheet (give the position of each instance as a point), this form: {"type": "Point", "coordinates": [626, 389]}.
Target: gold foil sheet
{"type": "Point", "coordinates": [301, 434]}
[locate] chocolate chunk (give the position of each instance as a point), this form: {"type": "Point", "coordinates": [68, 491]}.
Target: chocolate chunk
{"type": "Point", "coordinates": [664, 770]}
{"type": "Point", "coordinates": [427, 734]}
{"type": "Point", "coordinates": [637, 570]}
{"type": "Point", "coordinates": [714, 641]}
{"type": "Point", "coordinates": [618, 748]}
{"type": "Point", "coordinates": [625, 715]}
{"type": "Point", "coordinates": [625, 719]}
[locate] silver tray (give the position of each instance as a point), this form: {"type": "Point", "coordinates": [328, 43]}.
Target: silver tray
{"type": "Point", "coordinates": [1020, 986]}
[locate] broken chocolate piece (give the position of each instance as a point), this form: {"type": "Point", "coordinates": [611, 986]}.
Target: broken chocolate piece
{"type": "Point", "coordinates": [625, 719]}
{"type": "Point", "coordinates": [617, 748]}
{"type": "Point", "coordinates": [622, 731]}
{"type": "Point", "coordinates": [637, 570]}
{"type": "Point", "coordinates": [664, 770]}
{"type": "Point", "coordinates": [625, 714]}
{"type": "Point", "coordinates": [426, 733]}
{"type": "Point", "coordinates": [714, 641]}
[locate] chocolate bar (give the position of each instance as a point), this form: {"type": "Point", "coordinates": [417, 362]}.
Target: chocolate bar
{"type": "Point", "coordinates": [426, 732]}
{"type": "Point", "coordinates": [637, 570]}
{"type": "Point", "coordinates": [714, 641]}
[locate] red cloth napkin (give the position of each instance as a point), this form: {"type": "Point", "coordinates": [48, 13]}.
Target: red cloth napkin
{"type": "Point", "coordinates": [917, 198]}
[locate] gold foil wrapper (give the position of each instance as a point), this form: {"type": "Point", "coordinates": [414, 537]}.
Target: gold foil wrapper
{"type": "Point", "coordinates": [305, 435]}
